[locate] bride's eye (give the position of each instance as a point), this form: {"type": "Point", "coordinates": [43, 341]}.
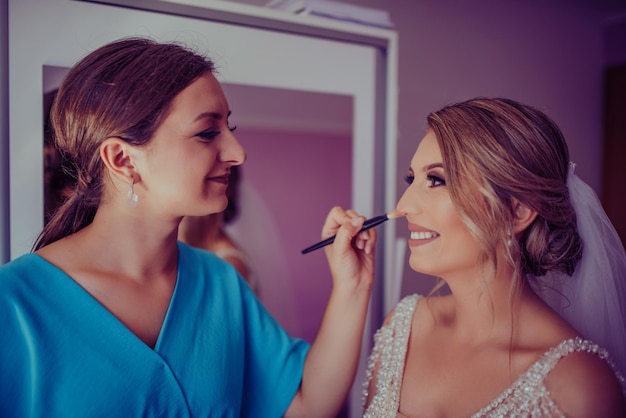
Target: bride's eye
{"type": "Point", "coordinates": [435, 181]}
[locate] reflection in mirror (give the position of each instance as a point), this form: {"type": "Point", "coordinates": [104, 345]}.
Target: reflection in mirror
{"type": "Point", "coordinates": [299, 165]}
{"type": "Point", "coordinates": [57, 181]}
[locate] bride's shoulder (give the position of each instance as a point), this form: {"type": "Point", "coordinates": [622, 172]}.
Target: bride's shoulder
{"type": "Point", "coordinates": [584, 383]}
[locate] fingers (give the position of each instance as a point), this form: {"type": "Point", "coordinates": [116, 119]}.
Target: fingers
{"type": "Point", "coordinates": [345, 225]}
{"type": "Point", "coordinates": [365, 241]}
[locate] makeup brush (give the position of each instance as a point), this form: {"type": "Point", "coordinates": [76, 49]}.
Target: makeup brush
{"type": "Point", "coordinates": [370, 223]}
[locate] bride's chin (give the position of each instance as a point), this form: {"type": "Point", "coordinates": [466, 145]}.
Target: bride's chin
{"type": "Point", "coordinates": [418, 265]}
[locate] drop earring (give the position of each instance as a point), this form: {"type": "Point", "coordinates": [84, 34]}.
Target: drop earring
{"type": "Point", "coordinates": [131, 196]}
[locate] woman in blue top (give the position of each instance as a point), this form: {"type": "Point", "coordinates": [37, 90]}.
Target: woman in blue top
{"type": "Point", "coordinates": [111, 315]}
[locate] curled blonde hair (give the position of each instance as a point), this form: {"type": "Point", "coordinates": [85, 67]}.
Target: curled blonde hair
{"type": "Point", "coordinates": [496, 151]}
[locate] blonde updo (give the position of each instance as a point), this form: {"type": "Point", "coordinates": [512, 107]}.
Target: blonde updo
{"type": "Point", "coordinates": [496, 151]}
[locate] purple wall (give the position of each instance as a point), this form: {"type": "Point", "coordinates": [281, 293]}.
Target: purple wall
{"type": "Point", "coordinates": [615, 42]}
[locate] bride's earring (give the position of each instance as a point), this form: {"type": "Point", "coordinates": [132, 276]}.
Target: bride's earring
{"type": "Point", "coordinates": [131, 196]}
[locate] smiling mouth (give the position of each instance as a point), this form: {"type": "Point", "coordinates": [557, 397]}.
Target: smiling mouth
{"type": "Point", "coordinates": [423, 235]}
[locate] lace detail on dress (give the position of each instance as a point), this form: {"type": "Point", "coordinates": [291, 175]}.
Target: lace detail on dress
{"type": "Point", "coordinates": [526, 397]}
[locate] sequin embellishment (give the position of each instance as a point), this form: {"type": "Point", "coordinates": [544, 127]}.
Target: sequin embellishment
{"type": "Point", "coordinates": [526, 397]}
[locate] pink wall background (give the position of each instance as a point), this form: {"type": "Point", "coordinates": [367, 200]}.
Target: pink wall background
{"type": "Point", "coordinates": [289, 183]}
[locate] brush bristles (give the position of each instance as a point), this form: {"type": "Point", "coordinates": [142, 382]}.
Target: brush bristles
{"type": "Point", "coordinates": [393, 214]}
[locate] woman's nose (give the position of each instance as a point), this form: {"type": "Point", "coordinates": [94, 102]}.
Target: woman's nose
{"type": "Point", "coordinates": [408, 202]}
{"type": "Point", "coordinates": [233, 151]}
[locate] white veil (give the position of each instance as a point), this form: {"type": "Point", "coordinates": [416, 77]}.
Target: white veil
{"type": "Point", "coordinates": [593, 300]}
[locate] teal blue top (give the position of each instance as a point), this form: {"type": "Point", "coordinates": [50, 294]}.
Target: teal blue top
{"type": "Point", "coordinates": [219, 352]}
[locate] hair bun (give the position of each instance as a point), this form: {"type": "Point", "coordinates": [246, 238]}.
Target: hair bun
{"type": "Point", "coordinates": [549, 248]}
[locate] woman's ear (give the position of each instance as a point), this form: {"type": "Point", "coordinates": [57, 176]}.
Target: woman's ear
{"type": "Point", "coordinates": [524, 216]}
{"type": "Point", "coordinates": [116, 156]}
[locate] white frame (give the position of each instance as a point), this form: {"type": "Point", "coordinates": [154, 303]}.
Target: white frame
{"type": "Point", "coordinates": [41, 34]}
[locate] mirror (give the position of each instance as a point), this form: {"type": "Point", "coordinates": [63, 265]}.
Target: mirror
{"type": "Point", "coordinates": [294, 62]}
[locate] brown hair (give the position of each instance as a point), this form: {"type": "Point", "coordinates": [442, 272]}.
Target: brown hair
{"type": "Point", "coordinates": [498, 150]}
{"type": "Point", "coordinates": [123, 89]}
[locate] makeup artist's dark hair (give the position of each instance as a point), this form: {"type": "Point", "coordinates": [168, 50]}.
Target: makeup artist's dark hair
{"type": "Point", "coordinates": [123, 89]}
{"type": "Point", "coordinates": [232, 193]}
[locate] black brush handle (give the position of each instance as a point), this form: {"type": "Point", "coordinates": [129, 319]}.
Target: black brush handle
{"type": "Point", "coordinates": [370, 223]}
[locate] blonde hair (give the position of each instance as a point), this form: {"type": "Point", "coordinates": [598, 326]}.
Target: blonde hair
{"type": "Point", "coordinates": [496, 151]}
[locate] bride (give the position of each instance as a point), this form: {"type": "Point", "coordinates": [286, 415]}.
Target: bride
{"type": "Point", "coordinates": [491, 206]}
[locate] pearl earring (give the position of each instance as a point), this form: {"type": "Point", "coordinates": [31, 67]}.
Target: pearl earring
{"type": "Point", "coordinates": [131, 196]}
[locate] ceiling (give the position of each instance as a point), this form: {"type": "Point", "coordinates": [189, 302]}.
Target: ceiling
{"type": "Point", "coordinates": [610, 8]}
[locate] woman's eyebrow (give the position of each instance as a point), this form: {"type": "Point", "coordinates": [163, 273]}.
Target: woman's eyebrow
{"type": "Point", "coordinates": [431, 166]}
{"type": "Point", "coordinates": [211, 115]}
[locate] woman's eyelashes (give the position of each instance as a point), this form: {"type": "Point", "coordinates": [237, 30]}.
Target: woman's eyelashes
{"type": "Point", "coordinates": [433, 180]}
{"type": "Point", "coordinates": [210, 134]}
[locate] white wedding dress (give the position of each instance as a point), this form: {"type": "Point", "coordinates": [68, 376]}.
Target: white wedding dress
{"type": "Point", "coordinates": [526, 397]}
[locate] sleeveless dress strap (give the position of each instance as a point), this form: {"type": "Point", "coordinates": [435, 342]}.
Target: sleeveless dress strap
{"type": "Point", "coordinates": [386, 363]}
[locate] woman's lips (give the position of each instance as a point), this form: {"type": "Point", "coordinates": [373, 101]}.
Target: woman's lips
{"type": "Point", "coordinates": [220, 179]}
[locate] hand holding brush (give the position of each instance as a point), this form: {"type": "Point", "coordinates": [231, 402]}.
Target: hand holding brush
{"type": "Point", "coordinates": [370, 223]}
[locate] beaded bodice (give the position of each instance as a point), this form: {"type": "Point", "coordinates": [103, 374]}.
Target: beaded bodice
{"type": "Point", "coordinates": [526, 397]}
